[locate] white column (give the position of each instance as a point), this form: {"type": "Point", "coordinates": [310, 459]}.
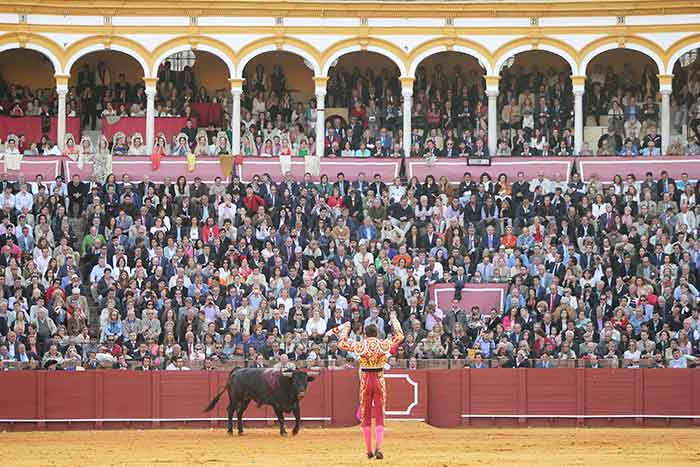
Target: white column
{"type": "Point", "coordinates": [665, 87]}
{"type": "Point", "coordinates": [62, 90]}
{"type": "Point", "coordinates": [493, 120]}
{"type": "Point", "coordinates": [236, 91]}
{"type": "Point", "coordinates": [320, 121]}
{"type": "Point", "coordinates": [150, 116]}
{"type": "Point", "coordinates": [407, 94]}
{"type": "Point", "coordinates": [665, 119]}
{"type": "Point", "coordinates": [492, 94]}
{"type": "Point", "coordinates": [61, 130]}
{"type": "Point", "coordinates": [236, 122]}
{"type": "Point", "coordinates": [578, 119]}
{"type": "Point", "coordinates": [320, 83]}
{"type": "Point", "coordinates": [578, 84]}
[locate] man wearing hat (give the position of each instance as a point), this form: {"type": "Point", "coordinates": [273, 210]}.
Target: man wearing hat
{"type": "Point", "coordinates": [51, 365]}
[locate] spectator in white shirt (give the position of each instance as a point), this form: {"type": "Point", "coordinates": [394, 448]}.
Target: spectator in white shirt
{"type": "Point", "coordinates": [178, 364]}
{"type": "Point", "coordinates": [540, 181]}
{"type": "Point", "coordinates": [226, 210]}
{"type": "Point", "coordinates": [7, 200]}
{"type": "Point", "coordinates": [42, 260]}
{"type": "Point", "coordinates": [377, 320]}
{"type": "Point", "coordinates": [316, 323]}
{"type": "Point", "coordinates": [24, 199]}
{"type": "Point", "coordinates": [678, 360]}
{"type": "Point", "coordinates": [633, 128]}
{"type": "Point", "coordinates": [98, 271]}
{"type": "Point", "coordinates": [632, 353]}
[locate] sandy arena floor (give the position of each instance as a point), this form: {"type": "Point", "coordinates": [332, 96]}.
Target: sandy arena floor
{"type": "Point", "coordinates": [407, 444]}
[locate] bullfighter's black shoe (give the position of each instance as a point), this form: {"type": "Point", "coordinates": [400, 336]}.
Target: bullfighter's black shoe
{"type": "Point", "coordinates": [378, 454]}
{"type": "Point", "coordinates": [370, 455]}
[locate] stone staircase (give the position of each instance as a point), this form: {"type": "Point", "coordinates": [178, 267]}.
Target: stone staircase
{"type": "Point", "coordinates": [93, 316]}
{"type": "Point", "coordinates": [93, 135]}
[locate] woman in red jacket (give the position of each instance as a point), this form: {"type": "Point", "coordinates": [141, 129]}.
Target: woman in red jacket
{"type": "Point", "coordinates": [210, 231]}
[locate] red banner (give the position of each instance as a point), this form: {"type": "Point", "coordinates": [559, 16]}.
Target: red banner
{"type": "Point", "coordinates": [30, 127]}
{"type": "Point", "coordinates": [169, 126]}
{"type": "Point", "coordinates": [207, 113]}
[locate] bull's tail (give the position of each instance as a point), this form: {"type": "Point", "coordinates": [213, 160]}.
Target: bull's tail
{"type": "Point", "coordinates": [216, 398]}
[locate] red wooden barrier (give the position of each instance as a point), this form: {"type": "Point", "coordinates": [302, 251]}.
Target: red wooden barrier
{"type": "Point", "coordinates": [445, 385]}
{"type": "Point", "coordinates": [443, 398]}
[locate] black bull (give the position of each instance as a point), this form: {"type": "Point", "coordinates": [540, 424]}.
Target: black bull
{"type": "Point", "coordinates": [283, 390]}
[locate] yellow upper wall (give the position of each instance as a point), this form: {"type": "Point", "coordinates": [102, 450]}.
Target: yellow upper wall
{"type": "Point", "coordinates": [32, 69]}
{"type": "Point", "coordinates": [616, 59]}
{"type": "Point", "coordinates": [400, 9]}
{"type": "Point", "coordinates": [576, 38]}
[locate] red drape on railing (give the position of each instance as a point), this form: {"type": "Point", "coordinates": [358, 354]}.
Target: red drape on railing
{"type": "Point", "coordinates": [169, 126]}
{"type": "Point", "coordinates": [30, 127]}
{"type": "Point", "coordinates": [208, 113]}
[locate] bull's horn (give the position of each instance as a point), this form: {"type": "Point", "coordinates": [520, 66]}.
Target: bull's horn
{"type": "Point", "coordinates": [313, 373]}
{"type": "Point", "coordinates": [287, 374]}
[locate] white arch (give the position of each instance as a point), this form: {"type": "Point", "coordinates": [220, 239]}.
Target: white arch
{"type": "Point", "coordinates": [285, 48]}
{"type": "Point", "coordinates": [444, 48]}
{"type": "Point", "coordinates": [370, 48]}
{"type": "Point", "coordinates": [37, 48]}
{"type": "Point", "coordinates": [204, 48]}
{"type": "Point", "coordinates": [116, 47]}
{"type": "Point", "coordinates": [546, 47]}
{"type": "Point", "coordinates": [632, 46]}
{"type": "Point", "coordinates": [676, 56]}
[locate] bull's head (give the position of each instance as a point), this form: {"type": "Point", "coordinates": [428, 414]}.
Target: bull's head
{"type": "Point", "coordinates": [299, 379]}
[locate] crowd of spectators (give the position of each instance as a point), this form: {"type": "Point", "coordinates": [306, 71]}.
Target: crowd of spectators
{"type": "Point", "coordinates": [100, 92]}
{"type": "Point", "coordinates": [273, 123]}
{"type": "Point", "coordinates": [630, 103]}
{"type": "Point", "coordinates": [131, 273]}
{"type": "Point", "coordinates": [685, 104]}
{"type": "Point", "coordinates": [449, 113]}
